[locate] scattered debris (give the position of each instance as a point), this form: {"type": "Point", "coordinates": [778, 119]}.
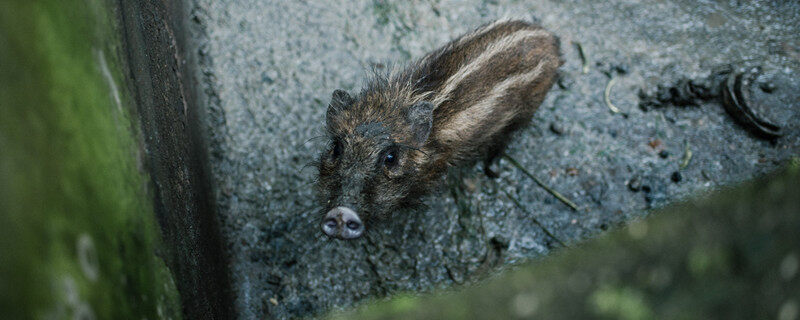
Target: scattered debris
{"type": "Point", "coordinates": [732, 87]}
{"type": "Point", "coordinates": [606, 95]}
{"type": "Point", "coordinates": [767, 86]}
{"type": "Point", "coordinates": [655, 190]}
{"type": "Point", "coordinates": [737, 100]}
{"type": "Point", "coordinates": [470, 184]}
{"type": "Point", "coordinates": [687, 156]}
{"type": "Point", "coordinates": [655, 143]}
{"type": "Point", "coordinates": [536, 221]}
{"type": "Point", "coordinates": [564, 82]}
{"type": "Point", "coordinates": [612, 68]}
{"type": "Point", "coordinates": [635, 183]}
{"type": "Point", "coordinates": [563, 199]}
{"type": "Point", "coordinates": [557, 128]}
{"type": "Point", "coordinates": [620, 68]}
{"type": "Point", "coordinates": [584, 57]}
{"type": "Point", "coordinates": [685, 92]}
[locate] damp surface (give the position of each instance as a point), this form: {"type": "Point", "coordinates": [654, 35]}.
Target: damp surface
{"type": "Point", "coordinates": [267, 70]}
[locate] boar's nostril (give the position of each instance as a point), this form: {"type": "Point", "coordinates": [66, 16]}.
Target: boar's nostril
{"type": "Point", "coordinates": [353, 225]}
{"type": "Point", "coordinates": [329, 227]}
{"type": "Point", "coordinates": [330, 223]}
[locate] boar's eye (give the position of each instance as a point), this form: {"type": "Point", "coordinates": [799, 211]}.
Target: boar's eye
{"type": "Point", "coordinates": [390, 158]}
{"type": "Point", "coordinates": [336, 149]}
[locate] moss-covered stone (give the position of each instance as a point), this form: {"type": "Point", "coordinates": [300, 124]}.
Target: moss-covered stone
{"type": "Point", "coordinates": [77, 225]}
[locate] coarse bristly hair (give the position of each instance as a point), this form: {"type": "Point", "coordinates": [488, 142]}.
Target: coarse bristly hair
{"type": "Point", "coordinates": [391, 143]}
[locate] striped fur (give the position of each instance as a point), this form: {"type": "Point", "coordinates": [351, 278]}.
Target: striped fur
{"type": "Point", "coordinates": [500, 46]}
{"type": "Point", "coordinates": [482, 87]}
{"type": "Point", "coordinates": [506, 70]}
{"type": "Point", "coordinates": [487, 107]}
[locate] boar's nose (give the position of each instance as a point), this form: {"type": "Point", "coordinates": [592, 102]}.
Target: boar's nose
{"type": "Point", "coordinates": [342, 223]}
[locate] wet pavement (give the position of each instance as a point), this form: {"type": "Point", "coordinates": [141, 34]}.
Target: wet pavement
{"type": "Point", "coordinates": [267, 70]}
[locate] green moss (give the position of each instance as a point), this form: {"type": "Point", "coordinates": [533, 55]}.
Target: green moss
{"type": "Point", "coordinates": [78, 226]}
{"type": "Point", "coordinates": [702, 260]}
{"type": "Point", "coordinates": [620, 303]}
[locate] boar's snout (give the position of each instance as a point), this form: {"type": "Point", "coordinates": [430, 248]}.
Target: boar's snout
{"type": "Point", "coordinates": [342, 223]}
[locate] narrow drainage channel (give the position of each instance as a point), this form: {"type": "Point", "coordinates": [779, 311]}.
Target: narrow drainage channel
{"type": "Point", "coordinates": [107, 196]}
{"type": "Point", "coordinates": [154, 39]}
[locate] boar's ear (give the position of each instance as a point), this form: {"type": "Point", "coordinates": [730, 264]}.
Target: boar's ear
{"type": "Point", "coordinates": [340, 99]}
{"type": "Point", "coordinates": [420, 117]}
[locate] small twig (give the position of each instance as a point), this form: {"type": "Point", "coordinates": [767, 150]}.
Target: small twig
{"type": "Point", "coordinates": [536, 221]}
{"type": "Point", "coordinates": [584, 57]}
{"type": "Point", "coordinates": [687, 156]}
{"type": "Point", "coordinates": [607, 94]}
{"type": "Point", "coordinates": [563, 199]}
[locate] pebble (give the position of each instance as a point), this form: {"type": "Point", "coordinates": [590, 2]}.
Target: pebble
{"type": "Point", "coordinates": [557, 127]}
{"type": "Point", "coordinates": [620, 68]}
{"type": "Point", "coordinates": [676, 177]}
{"type": "Point", "coordinates": [565, 82]}
{"type": "Point", "coordinates": [265, 78]}
{"type": "Point", "coordinates": [767, 86]}
{"type": "Point", "coordinates": [635, 183]}
{"type": "Point", "coordinates": [655, 191]}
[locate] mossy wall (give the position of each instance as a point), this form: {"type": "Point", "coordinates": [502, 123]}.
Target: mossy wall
{"type": "Point", "coordinates": [78, 238]}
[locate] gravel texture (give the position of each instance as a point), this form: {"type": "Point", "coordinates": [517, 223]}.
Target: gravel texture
{"type": "Point", "coordinates": [267, 69]}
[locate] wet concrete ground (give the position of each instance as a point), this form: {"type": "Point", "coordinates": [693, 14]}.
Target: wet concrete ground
{"type": "Point", "coordinates": [267, 70]}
